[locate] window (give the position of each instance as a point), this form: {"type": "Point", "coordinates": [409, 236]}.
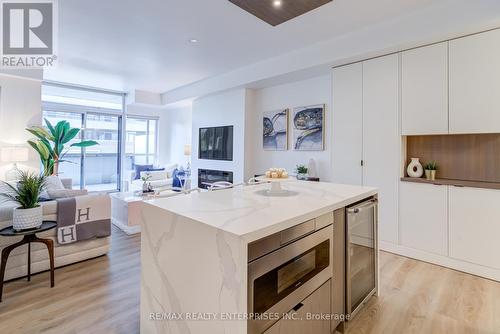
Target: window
{"type": "Point", "coordinates": [141, 141]}
{"type": "Point", "coordinates": [99, 115]}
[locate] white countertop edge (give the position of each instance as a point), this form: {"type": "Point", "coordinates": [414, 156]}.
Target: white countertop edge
{"type": "Point", "coordinates": [283, 225]}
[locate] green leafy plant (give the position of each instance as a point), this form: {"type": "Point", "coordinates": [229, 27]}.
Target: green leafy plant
{"type": "Point", "coordinates": [50, 144]}
{"type": "Point", "coordinates": [301, 169]}
{"type": "Point", "coordinates": [146, 177]}
{"type": "Point", "coordinates": [28, 190]}
{"type": "Point", "coordinates": [431, 165]}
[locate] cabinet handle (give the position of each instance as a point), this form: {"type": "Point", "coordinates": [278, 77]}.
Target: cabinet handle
{"type": "Point", "coordinates": [459, 185]}
{"type": "Point", "coordinates": [298, 307]}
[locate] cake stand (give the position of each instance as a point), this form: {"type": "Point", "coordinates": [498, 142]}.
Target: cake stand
{"type": "Point", "coordinates": [276, 189]}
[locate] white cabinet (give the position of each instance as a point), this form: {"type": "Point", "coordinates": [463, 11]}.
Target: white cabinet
{"type": "Point", "coordinates": [366, 127]}
{"type": "Point", "coordinates": [475, 225]}
{"type": "Point", "coordinates": [381, 139]}
{"type": "Point", "coordinates": [475, 83]}
{"type": "Point", "coordinates": [347, 124]}
{"type": "Point", "coordinates": [423, 216]}
{"type": "Point", "coordinates": [424, 90]}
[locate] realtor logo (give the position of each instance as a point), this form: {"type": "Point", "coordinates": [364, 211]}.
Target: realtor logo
{"type": "Point", "coordinates": [28, 33]}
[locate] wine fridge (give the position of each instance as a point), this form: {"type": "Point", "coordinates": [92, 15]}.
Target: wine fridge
{"type": "Point", "coordinates": [361, 254]}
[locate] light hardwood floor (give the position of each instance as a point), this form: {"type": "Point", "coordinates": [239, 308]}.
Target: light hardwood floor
{"type": "Point", "coordinates": [102, 296]}
{"type": "Point", "coordinates": [96, 296]}
{"type": "Point", "coordinates": [417, 297]}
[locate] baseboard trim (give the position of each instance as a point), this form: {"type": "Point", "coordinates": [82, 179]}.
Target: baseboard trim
{"type": "Point", "coordinates": [444, 261]}
{"type": "Point", "coordinates": [129, 230]}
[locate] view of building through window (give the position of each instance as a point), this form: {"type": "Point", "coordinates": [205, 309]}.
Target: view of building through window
{"type": "Point", "coordinates": [140, 141]}
{"type": "Point", "coordinates": [99, 115]}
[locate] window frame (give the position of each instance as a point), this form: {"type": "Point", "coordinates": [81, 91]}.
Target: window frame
{"type": "Point", "coordinates": [84, 111]}
{"type": "Point", "coordinates": [156, 139]}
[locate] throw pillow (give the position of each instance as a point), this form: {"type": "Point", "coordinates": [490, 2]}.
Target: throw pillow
{"type": "Point", "coordinates": [53, 183]}
{"type": "Point", "coordinates": [170, 169]}
{"type": "Point", "coordinates": [5, 189]}
{"type": "Point", "coordinates": [177, 184]}
{"type": "Point", "coordinates": [139, 169]}
{"type": "Point", "coordinates": [155, 175]}
{"type": "Point", "coordinates": [66, 193]}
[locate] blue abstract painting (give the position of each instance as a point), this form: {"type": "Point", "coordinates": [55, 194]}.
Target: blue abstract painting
{"type": "Point", "coordinates": [309, 128]}
{"type": "Point", "coordinates": [275, 130]}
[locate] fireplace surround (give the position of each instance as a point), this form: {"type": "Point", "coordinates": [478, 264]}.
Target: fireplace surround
{"type": "Point", "coordinates": [208, 176]}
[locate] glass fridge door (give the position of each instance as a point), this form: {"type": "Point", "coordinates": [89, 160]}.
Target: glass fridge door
{"type": "Point", "coordinates": [361, 253]}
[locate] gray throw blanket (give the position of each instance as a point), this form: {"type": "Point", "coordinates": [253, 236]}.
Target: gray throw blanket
{"type": "Point", "coordinates": [82, 218]}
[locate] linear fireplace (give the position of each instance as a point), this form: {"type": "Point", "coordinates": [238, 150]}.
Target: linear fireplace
{"type": "Point", "coordinates": [208, 176]}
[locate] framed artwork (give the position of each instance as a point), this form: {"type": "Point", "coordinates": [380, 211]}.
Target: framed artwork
{"type": "Point", "coordinates": [275, 130]}
{"type": "Point", "coordinates": [309, 128]}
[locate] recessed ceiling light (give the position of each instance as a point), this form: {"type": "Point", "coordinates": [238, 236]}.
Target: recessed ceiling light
{"type": "Point", "coordinates": [193, 40]}
{"type": "Point", "coordinates": [277, 3]}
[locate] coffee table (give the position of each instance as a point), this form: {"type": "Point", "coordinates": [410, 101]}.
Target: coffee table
{"type": "Point", "coordinates": [126, 209]}
{"type": "Point", "coordinates": [29, 236]}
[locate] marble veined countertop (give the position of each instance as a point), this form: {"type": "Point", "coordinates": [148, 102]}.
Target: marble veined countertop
{"type": "Point", "coordinates": [246, 213]}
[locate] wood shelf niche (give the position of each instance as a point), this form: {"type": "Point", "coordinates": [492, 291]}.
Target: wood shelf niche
{"type": "Point", "coordinates": [471, 160]}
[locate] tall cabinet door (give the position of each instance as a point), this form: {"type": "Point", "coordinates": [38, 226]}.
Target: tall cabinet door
{"type": "Point", "coordinates": [347, 124]}
{"type": "Point", "coordinates": [381, 140]}
{"type": "Point", "coordinates": [474, 83]}
{"type": "Point", "coordinates": [424, 90]}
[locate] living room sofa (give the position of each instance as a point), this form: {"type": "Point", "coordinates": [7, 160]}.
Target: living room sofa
{"type": "Point", "coordinates": [63, 254]}
{"type": "Point", "coordinates": [159, 179]}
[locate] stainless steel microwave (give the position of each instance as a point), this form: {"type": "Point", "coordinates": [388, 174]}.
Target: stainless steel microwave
{"type": "Point", "coordinates": [281, 279]}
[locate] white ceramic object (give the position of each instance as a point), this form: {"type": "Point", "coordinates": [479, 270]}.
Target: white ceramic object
{"type": "Point", "coordinates": [415, 168]}
{"type": "Point", "coordinates": [24, 219]}
{"type": "Point", "coordinates": [311, 168]}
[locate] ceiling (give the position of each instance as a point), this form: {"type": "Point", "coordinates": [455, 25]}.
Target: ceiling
{"type": "Point", "coordinates": [130, 44]}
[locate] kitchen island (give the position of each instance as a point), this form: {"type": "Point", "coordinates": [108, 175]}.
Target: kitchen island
{"type": "Point", "coordinates": [196, 249]}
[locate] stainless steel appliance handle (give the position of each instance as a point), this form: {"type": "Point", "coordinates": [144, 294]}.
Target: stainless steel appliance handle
{"type": "Point", "coordinates": [365, 205]}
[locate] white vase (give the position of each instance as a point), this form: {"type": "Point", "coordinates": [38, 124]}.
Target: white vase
{"type": "Point", "coordinates": [415, 168]}
{"type": "Point", "coordinates": [24, 219]}
{"type": "Point", "coordinates": [311, 168]}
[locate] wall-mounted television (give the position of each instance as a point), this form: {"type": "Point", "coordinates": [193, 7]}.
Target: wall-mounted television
{"type": "Point", "coordinates": [216, 143]}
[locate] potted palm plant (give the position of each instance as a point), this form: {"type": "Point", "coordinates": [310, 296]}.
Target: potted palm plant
{"type": "Point", "coordinates": [29, 214]}
{"type": "Point", "coordinates": [50, 144]}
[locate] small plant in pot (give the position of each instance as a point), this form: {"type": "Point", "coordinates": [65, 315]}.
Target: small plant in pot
{"type": "Point", "coordinates": [145, 187]}
{"type": "Point", "coordinates": [301, 172]}
{"type": "Point", "coordinates": [430, 170]}
{"type": "Point", "coordinates": [29, 214]}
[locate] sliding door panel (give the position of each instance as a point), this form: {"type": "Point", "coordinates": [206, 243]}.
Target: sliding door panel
{"type": "Point", "coordinates": [101, 162]}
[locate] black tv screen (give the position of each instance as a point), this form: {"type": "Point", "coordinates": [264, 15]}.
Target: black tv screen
{"type": "Point", "coordinates": [216, 143]}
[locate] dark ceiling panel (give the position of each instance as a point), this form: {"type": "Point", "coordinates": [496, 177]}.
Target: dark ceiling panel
{"type": "Point", "coordinates": [274, 15]}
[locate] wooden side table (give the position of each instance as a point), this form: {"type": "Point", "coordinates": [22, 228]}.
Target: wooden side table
{"type": "Point", "coordinates": [29, 236]}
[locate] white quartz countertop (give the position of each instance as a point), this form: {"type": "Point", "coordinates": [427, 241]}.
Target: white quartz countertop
{"type": "Point", "coordinates": [244, 212]}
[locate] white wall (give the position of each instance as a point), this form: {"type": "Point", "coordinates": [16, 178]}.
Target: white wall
{"type": "Point", "coordinates": [222, 109]}
{"type": "Point", "coordinates": [20, 107]}
{"type": "Point", "coordinates": [313, 91]}
{"type": "Point", "coordinates": [174, 130]}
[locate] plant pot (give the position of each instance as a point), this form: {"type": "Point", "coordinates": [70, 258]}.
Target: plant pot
{"type": "Point", "coordinates": [430, 174]}
{"type": "Point", "coordinates": [301, 176]}
{"type": "Point", "coordinates": [25, 219]}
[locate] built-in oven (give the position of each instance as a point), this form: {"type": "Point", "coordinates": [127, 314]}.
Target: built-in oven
{"type": "Point", "coordinates": [284, 269]}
